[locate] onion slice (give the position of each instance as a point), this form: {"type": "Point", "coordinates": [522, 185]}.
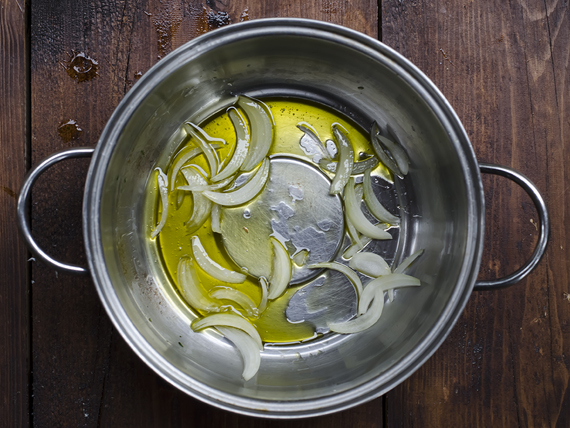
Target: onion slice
{"type": "Point", "coordinates": [345, 162]}
{"type": "Point", "coordinates": [211, 267]}
{"type": "Point", "coordinates": [357, 217]}
{"type": "Point", "coordinates": [310, 131]}
{"type": "Point", "coordinates": [201, 211]}
{"type": "Point", "coordinates": [202, 187]}
{"type": "Point", "coordinates": [357, 168]}
{"type": "Point", "coordinates": [382, 284]}
{"type": "Point", "coordinates": [382, 155]}
{"type": "Point", "coordinates": [370, 264]}
{"type": "Point", "coordinates": [348, 272]}
{"type": "Point", "coordinates": [247, 347]}
{"type": "Point", "coordinates": [242, 145]}
{"type": "Point", "coordinates": [397, 152]}
{"type": "Point", "coordinates": [363, 322]}
{"type": "Point", "coordinates": [236, 296]}
{"type": "Point", "coordinates": [196, 132]}
{"type": "Point", "coordinates": [261, 124]}
{"type": "Point", "coordinates": [194, 179]}
{"type": "Point", "coordinates": [180, 163]}
{"type": "Point", "coordinates": [353, 234]}
{"type": "Point", "coordinates": [282, 270]}
{"type": "Point", "coordinates": [162, 180]}
{"type": "Point", "coordinates": [190, 287]}
{"type": "Point", "coordinates": [228, 320]}
{"type": "Point", "coordinates": [354, 248]}
{"type": "Point", "coordinates": [215, 217]}
{"type": "Point", "coordinates": [408, 261]}
{"type": "Point", "coordinates": [374, 205]}
{"type": "Point", "coordinates": [245, 193]}
{"type": "Point", "coordinates": [264, 293]}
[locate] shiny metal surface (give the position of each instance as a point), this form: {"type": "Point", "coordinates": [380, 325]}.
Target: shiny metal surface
{"type": "Point", "coordinates": [441, 202]}
{"type": "Point", "coordinates": [24, 205]}
{"type": "Point", "coordinates": [544, 221]}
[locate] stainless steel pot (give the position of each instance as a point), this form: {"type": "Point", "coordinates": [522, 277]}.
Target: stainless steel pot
{"type": "Point", "coordinates": [349, 72]}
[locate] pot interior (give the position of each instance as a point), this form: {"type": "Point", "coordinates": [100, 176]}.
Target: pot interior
{"type": "Point", "coordinates": [440, 201]}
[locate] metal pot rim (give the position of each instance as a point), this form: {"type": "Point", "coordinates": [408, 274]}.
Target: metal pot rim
{"type": "Point", "coordinates": [379, 52]}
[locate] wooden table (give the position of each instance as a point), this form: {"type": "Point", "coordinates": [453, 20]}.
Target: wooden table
{"type": "Point", "coordinates": [502, 65]}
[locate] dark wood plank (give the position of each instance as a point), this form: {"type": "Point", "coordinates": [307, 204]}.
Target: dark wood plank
{"type": "Point", "coordinates": [14, 302]}
{"type": "Point", "coordinates": [84, 373]}
{"type": "Point", "coordinates": [504, 68]}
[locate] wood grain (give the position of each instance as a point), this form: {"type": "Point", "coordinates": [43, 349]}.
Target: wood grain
{"type": "Point", "coordinates": [14, 306]}
{"type": "Point", "coordinates": [504, 68]}
{"type": "Point", "coordinates": [83, 372]}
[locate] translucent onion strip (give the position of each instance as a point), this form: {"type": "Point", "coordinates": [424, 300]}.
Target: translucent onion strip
{"type": "Point", "coordinates": [384, 283]}
{"type": "Point", "coordinates": [216, 217]}
{"type": "Point", "coordinates": [228, 320]}
{"type": "Point", "coordinates": [357, 168]}
{"type": "Point", "coordinates": [196, 132]}
{"type": "Point", "coordinates": [408, 261]}
{"type": "Point", "coordinates": [261, 124]}
{"type": "Point", "coordinates": [242, 145]}
{"type": "Point", "coordinates": [201, 210]}
{"type": "Point", "coordinates": [310, 131]}
{"type": "Point", "coordinates": [397, 152]}
{"type": "Point", "coordinates": [345, 162]}
{"type": "Point", "coordinates": [363, 322]}
{"type": "Point", "coordinates": [212, 268]}
{"type": "Point", "coordinates": [348, 272]}
{"type": "Point", "coordinates": [245, 193]}
{"type": "Point", "coordinates": [379, 150]}
{"type": "Point", "coordinates": [370, 264]}
{"type": "Point", "coordinates": [354, 248]}
{"type": "Point", "coordinates": [353, 234]}
{"type": "Point", "coordinates": [248, 349]}
{"type": "Point", "coordinates": [264, 294]}
{"type": "Point", "coordinates": [281, 272]}
{"type": "Point", "coordinates": [374, 205]}
{"type": "Point", "coordinates": [180, 163]}
{"type": "Point", "coordinates": [162, 181]}
{"type": "Point", "coordinates": [236, 296]}
{"type": "Point", "coordinates": [202, 187]}
{"type": "Point", "coordinates": [191, 290]}
{"type": "Point", "coordinates": [193, 178]}
{"type": "Point", "coordinates": [357, 217]}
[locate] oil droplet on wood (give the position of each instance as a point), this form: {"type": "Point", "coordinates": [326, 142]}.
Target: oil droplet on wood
{"type": "Point", "coordinates": [138, 75]}
{"type": "Point", "coordinates": [166, 24]}
{"type": "Point", "coordinates": [81, 66]}
{"type": "Point", "coordinates": [9, 191]}
{"type": "Point", "coordinates": [218, 19]}
{"type": "Point", "coordinates": [244, 15]}
{"type": "Point", "coordinates": [69, 130]}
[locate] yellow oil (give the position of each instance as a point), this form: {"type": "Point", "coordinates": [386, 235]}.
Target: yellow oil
{"type": "Point", "coordinates": [174, 240]}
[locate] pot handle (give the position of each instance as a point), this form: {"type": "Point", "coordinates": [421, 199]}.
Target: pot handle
{"type": "Point", "coordinates": [24, 204]}
{"type": "Point", "coordinates": [536, 197]}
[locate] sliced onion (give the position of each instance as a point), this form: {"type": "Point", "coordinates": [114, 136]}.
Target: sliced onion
{"type": "Point", "coordinates": [264, 294]}
{"type": "Point", "coordinates": [261, 124]}
{"type": "Point", "coordinates": [282, 270]}
{"type": "Point", "coordinates": [384, 283]}
{"type": "Point", "coordinates": [228, 320]}
{"type": "Point", "coordinates": [196, 132]}
{"type": "Point", "coordinates": [313, 135]}
{"type": "Point", "coordinates": [408, 261]}
{"type": "Point", "coordinates": [354, 248]}
{"type": "Point", "coordinates": [357, 217]}
{"type": "Point", "coordinates": [300, 257]}
{"type": "Point", "coordinates": [382, 155]}
{"type": "Point", "coordinates": [202, 187]}
{"type": "Point", "coordinates": [348, 272]}
{"type": "Point", "coordinates": [201, 210]}
{"type": "Point", "coordinates": [162, 180]}
{"type": "Point", "coordinates": [194, 179]}
{"type": "Point", "coordinates": [248, 349]}
{"type": "Point", "coordinates": [245, 193]}
{"type": "Point", "coordinates": [363, 322]}
{"type": "Point", "coordinates": [345, 162]}
{"type": "Point", "coordinates": [397, 152]}
{"type": "Point", "coordinates": [191, 290]}
{"type": "Point", "coordinates": [211, 267]}
{"type": "Point", "coordinates": [180, 163]}
{"type": "Point", "coordinates": [374, 205]}
{"type": "Point", "coordinates": [370, 264]}
{"type": "Point", "coordinates": [215, 217]}
{"type": "Point", "coordinates": [236, 296]}
{"type": "Point", "coordinates": [242, 145]}
{"type": "Point", "coordinates": [211, 109]}
{"type": "Point", "coordinates": [353, 233]}
{"type": "Point", "coordinates": [357, 168]}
